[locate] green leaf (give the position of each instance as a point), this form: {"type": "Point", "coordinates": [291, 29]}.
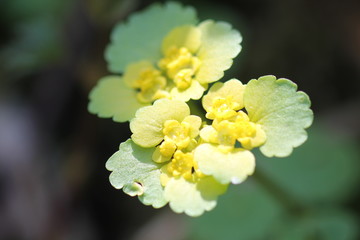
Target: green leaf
{"type": "Point", "coordinates": [317, 175]}
{"type": "Point", "coordinates": [234, 166]}
{"type": "Point", "coordinates": [249, 212]}
{"type": "Point", "coordinates": [193, 198]}
{"type": "Point", "coordinates": [282, 112]}
{"type": "Point", "coordinates": [245, 212]}
{"type": "Point", "coordinates": [219, 45]}
{"type": "Point", "coordinates": [135, 172]}
{"type": "Point", "coordinates": [324, 169]}
{"type": "Point", "coordinates": [141, 37]}
{"type": "Point", "coordinates": [332, 224]}
{"type": "Point", "coordinates": [112, 98]}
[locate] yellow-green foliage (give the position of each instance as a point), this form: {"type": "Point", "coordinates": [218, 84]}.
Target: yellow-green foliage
{"type": "Point", "coordinates": [161, 58]}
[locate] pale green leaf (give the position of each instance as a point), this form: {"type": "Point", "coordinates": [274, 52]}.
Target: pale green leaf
{"type": "Point", "coordinates": [219, 45]}
{"type": "Point", "coordinates": [245, 212]}
{"type": "Point", "coordinates": [233, 166]}
{"type": "Point", "coordinates": [251, 212]}
{"type": "Point", "coordinates": [325, 169]}
{"type": "Point", "coordinates": [193, 198]}
{"type": "Point", "coordinates": [135, 172]}
{"type": "Point", "coordinates": [140, 38]}
{"type": "Point", "coordinates": [112, 98]}
{"type": "Point", "coordinates": [282, 112]}
{"type": "Point", "coordinates": [332, 224]}
{"type": "Point", "coordinates": [149, 121]}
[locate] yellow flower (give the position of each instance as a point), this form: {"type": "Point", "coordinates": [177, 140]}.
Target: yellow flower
{"type": "Point", "coordinates": [166, 120]}
{"type": "Point", "coordinates": [223, 103]}
{"type": "Point", "coordinates": [192, 57]}
{"type": "Point", "coordinates": [219, 155]}
{"type": "Point", "coordinates": [170, 56]}
{"type": "Point", "coordinates": [147, 80]}
{"type": "Point", "coordinates": [224, 99]}
{"type": "Point", "coordinates": [177, 135]}
{"type": "Point", "coordinates": [175, 158]}
{"type": "Point", "coordinates": [168, 127]}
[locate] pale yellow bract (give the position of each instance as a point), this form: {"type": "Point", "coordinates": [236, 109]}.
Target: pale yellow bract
{"type": "Point", "coordinates": [226, 167]}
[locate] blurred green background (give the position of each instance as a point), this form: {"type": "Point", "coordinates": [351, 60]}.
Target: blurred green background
{"type": "Point", "coordinates": [53, 183]}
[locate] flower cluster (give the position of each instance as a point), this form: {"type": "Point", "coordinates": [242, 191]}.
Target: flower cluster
{"type": "Point", "coordinates": [175, 157]}
{"type": "Point", "coordinates": [162, 52]}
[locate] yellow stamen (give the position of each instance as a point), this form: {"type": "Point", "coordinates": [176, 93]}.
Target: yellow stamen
{"type": "Point", "coordinates": [181, 165]}
{"type": "Point", "coordinates": [180, 66]}
{"type": "Point", "coordinates": [150, 84]}
{"type": "Point", "coordinates": [239, 128]}
{"type": "Point", "coordinates": [223, 108]}
{"type": "Point", "coordinates": [178, 133]}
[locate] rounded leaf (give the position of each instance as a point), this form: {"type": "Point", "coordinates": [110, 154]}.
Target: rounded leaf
{"type": "Point", "coordinates": [326, 169]}
{"type": "Point", "coordinates": [219, 45]}
{"type": "Point", "coordinates": [193, 198]}
{"type": "Point", "coordinates": [282, 112]}
{"type": "Point", "coordinates": [134, 171]}
{"type": "Point", "coordinates": [140, 38]}
{"type": "Point", "coordinates": [111, 97]}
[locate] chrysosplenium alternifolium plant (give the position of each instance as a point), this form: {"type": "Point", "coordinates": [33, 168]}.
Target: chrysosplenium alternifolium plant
{"type": "Point", "coordinates": [163, 57]}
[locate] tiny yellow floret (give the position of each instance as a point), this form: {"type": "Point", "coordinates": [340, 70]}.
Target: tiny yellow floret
{"type": "Point", "coordinates": [177, 136]}
{"type": "Point", "coordinates": [239, 128]}
{"type": "Point", "coordinates": [249, 134]}
{"type": "Point", "coordinates": [150, 84]}
{"type": "Point", "coordinates": [223, 108]}
{"type": "Point", "coordinates": [180, 65]}
{"type": "Point", "coordinates": [147, 80]}
{"type": "Point", "coordinates": [167, 148]}
{"type": "Point", "coordinates": [226, 134]}
{"type": "Point", "coordinates": [182, 165]}
{"type": "Point", "coordinates": [177, 133]}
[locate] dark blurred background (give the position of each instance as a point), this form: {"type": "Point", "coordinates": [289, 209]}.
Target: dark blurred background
{"type": "Point", "coordinates": [53, 181]}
